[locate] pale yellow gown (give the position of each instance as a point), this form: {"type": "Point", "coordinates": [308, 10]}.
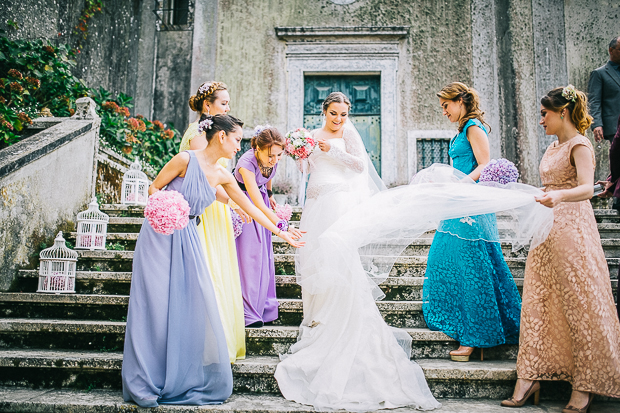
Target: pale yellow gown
{"type": "Point", "coordinates": [218, 240]}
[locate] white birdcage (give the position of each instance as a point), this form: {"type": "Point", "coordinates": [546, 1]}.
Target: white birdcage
{"type": "Point", "coordinates": [57, 268]}
{"type": "Point", "coordinates": [92, 227]}
{"type": "Point", "coordinates": [135, 185]}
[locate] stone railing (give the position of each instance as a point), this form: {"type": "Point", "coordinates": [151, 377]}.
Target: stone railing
{"type": "Point", "coordinates": [45, 180]}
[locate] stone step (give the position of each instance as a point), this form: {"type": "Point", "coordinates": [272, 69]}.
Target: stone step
{"type": "Point", "coordinates": [20, 400]}
{"type": "Point", "coordinates": [87, 369]}
{"type": "Point", "coordinates": [99, 335]}
{"type": "Point", "coordinates": [396, 288]}
{"type": "Point", "coordinates": [114, 308]}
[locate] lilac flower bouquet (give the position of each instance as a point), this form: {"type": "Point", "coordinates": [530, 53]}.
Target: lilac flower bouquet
{"type": "Point", "coordinates": [501, 171]}
{"type": "Point", "coordinates": [237, 223]}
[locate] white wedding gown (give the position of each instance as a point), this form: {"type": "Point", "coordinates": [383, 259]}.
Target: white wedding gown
{"type": "Point", "coordinates": [346, 356]}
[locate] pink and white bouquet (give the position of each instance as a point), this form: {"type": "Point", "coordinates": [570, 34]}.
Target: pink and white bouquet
{"type": "Point", "coordinates": [284, 211]}
{"type": "Point", "coordinates": [299, 144]}
{"type": "Point", "coordinates": [167, 211]}
{"type": "Point", "coordinates": [501, 171]}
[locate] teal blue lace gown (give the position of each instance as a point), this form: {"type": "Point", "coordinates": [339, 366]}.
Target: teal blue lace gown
{"type": "Point", "coordinates": [469, 293]}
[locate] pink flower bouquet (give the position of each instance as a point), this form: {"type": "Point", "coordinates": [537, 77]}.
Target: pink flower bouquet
{"type": "Point", "coordinates": [284, 211]}
{"type": "Point", "coordinates": [299, 144]}
{"type": "Point", "coordinates": [167, 211]}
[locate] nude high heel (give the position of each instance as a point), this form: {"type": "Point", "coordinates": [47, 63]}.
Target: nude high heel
{"type": "Point", "coordinates": [534, 389]}
{"type": "Point", "coordinates": [586, 409]}
{"type": "Point", "coordinates": [463, 355]}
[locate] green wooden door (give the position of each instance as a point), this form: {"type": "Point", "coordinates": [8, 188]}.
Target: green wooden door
{"type": "Point", "coordinates": [364, 92]}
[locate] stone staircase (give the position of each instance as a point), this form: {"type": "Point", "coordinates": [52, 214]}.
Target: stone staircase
{"type": "Point", "coordinates": [74, 342]}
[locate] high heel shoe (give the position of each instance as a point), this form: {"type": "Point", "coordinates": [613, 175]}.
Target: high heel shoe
{"type": "Point", "coordinates": [534, 389]}
{"type": "Point", "coordinates": [463, 355]}
{"type": "Point", "coordinates": [586, 409]}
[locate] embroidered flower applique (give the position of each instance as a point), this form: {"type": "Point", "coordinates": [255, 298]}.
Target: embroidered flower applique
{"type": "Point", "coordinates": [467, 220]}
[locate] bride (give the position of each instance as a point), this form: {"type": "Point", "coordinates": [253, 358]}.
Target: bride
{"type": "Point", "coordinates": [346, 356]}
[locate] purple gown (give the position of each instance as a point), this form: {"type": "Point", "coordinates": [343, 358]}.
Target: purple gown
{"type": "Point", "coordinates": [255, 255]}
{"type": "Point", "coordinates": [175, 348]}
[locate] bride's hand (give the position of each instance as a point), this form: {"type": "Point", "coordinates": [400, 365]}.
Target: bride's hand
{"type": "Point", "coordinates": [324, 145]}
{"type": "Point", "coordinates": [286, 236]}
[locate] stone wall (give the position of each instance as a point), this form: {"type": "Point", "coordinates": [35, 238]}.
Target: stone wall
{"type": "Point", "coordinates": [45, 181]}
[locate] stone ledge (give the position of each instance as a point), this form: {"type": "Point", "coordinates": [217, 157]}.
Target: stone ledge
{"type": "Point", "coordinates": [108, 401]}
{"type": "Point", "coordinates": [77, 299]}
{"type": "Point", "coordinates": [42, 143]}
{"type": "Point", "coordinates": [86, 275]}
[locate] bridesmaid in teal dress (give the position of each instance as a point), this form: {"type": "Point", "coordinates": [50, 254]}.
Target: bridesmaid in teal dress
{"type": "Point", "coordinates": [469, 293]}
{"type": "Point", "coordinates": [175, 348]}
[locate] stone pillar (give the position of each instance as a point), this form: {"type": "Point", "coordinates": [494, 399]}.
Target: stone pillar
{"type": "Point", "coordinates": [485, 68]}
{"type": "Point", "coordinates": [204, 47]}
{"type": "Point", "coordinates": [147, 49]}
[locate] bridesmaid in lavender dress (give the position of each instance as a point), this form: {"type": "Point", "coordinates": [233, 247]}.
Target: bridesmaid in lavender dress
{"type": "Point", "coordinates": [175, 348]}
{"type": "Point", "coordinates": [254, 172]}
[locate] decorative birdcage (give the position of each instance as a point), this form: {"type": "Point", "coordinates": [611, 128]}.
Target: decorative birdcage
{"type": "Point", "coordinates": [57, 268]}
{"type": "Point", "coordinates": [135, 185]}
{"type": "Point", "coordinates": [92, 227]}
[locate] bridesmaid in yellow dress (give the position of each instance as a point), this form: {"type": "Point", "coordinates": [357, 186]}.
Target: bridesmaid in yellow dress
{"type": "Point", "coordinates": [569, 327]}
{"type": "Point", "coordinates": [215, 228]}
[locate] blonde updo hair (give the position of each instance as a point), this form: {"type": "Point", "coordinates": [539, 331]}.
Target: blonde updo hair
{"type": "Point", "coordinates": [268, 137]}
{"type": "Point", "coordinates": [206, 92]}
{"type": "Point", "coordinates": [556, 101]}
{"type": "Point", "coordinates": [457, 90]}
{"type": "Point", "coordinates": [337, 97]}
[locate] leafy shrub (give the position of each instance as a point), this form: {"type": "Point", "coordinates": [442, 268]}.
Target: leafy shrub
{"type": "Point", "coordinates": [152, 141]}
{"type": "Point", "coordinates": [35, 76]}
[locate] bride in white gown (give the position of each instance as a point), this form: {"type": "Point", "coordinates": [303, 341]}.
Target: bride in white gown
{"type": "Point", "coordinates": [346, 356]}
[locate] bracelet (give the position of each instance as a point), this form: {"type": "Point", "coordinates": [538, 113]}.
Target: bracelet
{"type": "Point", "coordinates": [232, 204]}
{"type": "Point", "coordinates": [269, 193]}
{"type": "Point", "coordinates": [282, 225]}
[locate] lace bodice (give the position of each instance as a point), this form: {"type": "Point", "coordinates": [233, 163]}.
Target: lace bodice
{"type": "Point", "coordinates": [335, 169]}
{"type": "Point", "coordinates": [556, 171]}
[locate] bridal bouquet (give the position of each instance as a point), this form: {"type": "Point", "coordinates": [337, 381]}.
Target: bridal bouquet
{"type": "Point", "coordinates": [284, 211]}
{"type": "Point", "coordinates": [299, 144]}
{"type": "Point", "coordinates": [501, 171]}
{"type": "Point", "coordinates": [167, 211]}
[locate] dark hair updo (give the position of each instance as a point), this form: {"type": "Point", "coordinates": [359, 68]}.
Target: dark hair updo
{"type": "Point", "coordinates": [575, 101]}
{"type": "Point", "coordinates": [336, 97]}
{"type": "Point", "coordinates": [206, 92]}
{"type": "Point", "coordinates": [267, 137]}
{"type": "Point", "coordinates": [212, 124]}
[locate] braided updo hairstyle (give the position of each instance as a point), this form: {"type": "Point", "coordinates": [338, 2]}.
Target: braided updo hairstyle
{"type": "Point", "coordinates": [268, 137]}
{"type": "Point", "coordinates": [578, 109]}
{"type": "Point", "coordinates": [206, 92]}
{"type": "Point", "coordinates": [457, 90]}
{"type": "Point", "coordinates": [337, 97]}
{"type": "Point", "coordinates": [212, 124]}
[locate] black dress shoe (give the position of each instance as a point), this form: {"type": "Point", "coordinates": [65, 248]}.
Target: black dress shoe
{"type": "Point", "coordinates": [256, 324]}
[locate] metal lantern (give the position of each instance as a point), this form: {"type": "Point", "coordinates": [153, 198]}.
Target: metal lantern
{"type": "Point", "coordinates": [57, 268]}
{"type": "Point", "coordinates": [135, 185]}
{"type": "Point", "coordinates": [92, 226]}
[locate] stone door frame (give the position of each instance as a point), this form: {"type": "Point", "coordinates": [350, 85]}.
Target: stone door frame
{"type": "Point", "coordinates": [347, 51]}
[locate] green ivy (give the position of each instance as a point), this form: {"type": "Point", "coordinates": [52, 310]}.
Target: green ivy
{"type": "Point", "coordinates": [36, 79]}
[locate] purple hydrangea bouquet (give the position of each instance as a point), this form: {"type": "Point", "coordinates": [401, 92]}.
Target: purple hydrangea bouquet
{"type": "Point", "coordinates": [501, 171]}
{"type": "Point", "coordinates": [237, 223]}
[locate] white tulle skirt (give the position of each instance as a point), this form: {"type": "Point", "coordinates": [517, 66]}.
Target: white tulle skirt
{"type": "Point", "coordinates": [346, 356]}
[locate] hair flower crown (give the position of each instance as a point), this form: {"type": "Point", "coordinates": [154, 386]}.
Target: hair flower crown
{"type": "Point", "coordinates": [204, 125]}
{"type": "Point", "coordinates": [205, 86]}
{"type": "Point", "coordinates": [569, 93]}
{"type": "Point", "coordinates": [260, 128]}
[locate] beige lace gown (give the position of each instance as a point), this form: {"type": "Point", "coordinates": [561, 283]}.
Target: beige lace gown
{"type": "Point", "coordinates": [569, 326]}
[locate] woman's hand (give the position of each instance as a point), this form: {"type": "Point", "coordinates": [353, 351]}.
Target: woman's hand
{"type": "Point", "coordinates": [288, 237]}
{"type": "Point", "coordinates": [297, 234]}
{"type": "Point", "coordinates": [551, 199]}
{"type": "Point", "coordinates": [324, 145]}
{"type": "Point", "coordinates": [272, 202]}
{"type": "Point", "coordinates": [244, 216]}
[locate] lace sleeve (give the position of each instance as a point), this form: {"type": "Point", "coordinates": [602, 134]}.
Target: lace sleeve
{"type": "Point", "coordinates": [353, 158]}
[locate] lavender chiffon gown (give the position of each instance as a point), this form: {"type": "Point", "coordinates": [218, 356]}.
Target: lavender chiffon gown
{"type": "Point", "coordinates": [175, 348]}
{"type": "Point", "coordinates": [255, 255]}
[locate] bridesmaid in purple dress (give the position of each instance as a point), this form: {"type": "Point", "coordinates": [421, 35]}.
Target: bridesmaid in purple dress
{"type": "Point", "coordinates": [254, 172]}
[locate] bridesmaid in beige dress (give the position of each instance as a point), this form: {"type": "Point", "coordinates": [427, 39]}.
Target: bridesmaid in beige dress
{"type": "Point", "coordinates": [569, 327]}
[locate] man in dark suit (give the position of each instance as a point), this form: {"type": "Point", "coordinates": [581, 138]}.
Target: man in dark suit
{"type": "Point", "coordinates": [604, 94]}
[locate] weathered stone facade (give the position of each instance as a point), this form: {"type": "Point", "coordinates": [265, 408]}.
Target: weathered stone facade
{"type": "Point", "coordinates": [511, 51]}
